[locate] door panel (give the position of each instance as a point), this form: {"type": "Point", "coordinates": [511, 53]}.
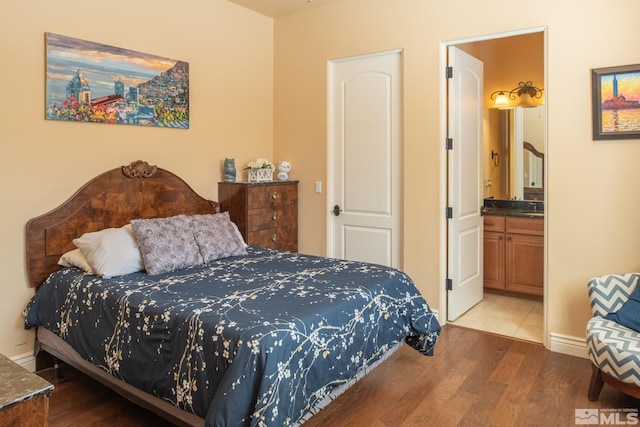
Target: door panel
{"type": "Point", "coordinates": [465, 239]}
{"type": "Point", "coordinates": [376, 244]}
{"type": "Point", "coordinates": [365, 158]}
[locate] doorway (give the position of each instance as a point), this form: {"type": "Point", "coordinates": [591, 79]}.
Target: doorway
{"type": "Point", "coordinates": [507, 60]}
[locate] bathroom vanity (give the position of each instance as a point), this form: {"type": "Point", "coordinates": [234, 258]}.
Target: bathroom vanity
{"type": "Point", "coordinates": [514, 246]}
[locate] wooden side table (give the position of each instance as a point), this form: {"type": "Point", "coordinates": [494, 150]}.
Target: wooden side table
{"type": "Point", "coordinates": [265, 212]}
{"type": "Point", "coordinates": [24, 396]}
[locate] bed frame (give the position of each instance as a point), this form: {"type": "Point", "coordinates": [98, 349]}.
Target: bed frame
{"type": "Point", "coordinates": [111, 199]}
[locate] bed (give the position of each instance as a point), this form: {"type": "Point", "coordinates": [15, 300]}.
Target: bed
{"type": "Point", "coordinates": [242, 336]}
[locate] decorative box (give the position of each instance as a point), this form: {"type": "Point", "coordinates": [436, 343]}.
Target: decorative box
{"type": "Point", "coordinates": [260, 175]}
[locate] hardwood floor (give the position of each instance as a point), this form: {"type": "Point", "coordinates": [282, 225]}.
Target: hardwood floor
{"type": "Point", "coordinates": [474, 379]}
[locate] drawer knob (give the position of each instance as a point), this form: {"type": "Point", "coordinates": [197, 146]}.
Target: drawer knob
{"type": "Point", "coordinates": [274, 217]}
{"type": "Point", "coordinates": [274, 237]}
{"type": "Point", "coordinates": [275, 195]}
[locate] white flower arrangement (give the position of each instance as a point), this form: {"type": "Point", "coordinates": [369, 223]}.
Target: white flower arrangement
{"type": "Point", "coordinates": [260, 170]}
{"type": "Point", "coordinates": [260, 163]}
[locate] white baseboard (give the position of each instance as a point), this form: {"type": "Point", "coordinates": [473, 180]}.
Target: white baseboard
{"type": "Point", "coordinates": [565, 344]}
{"type": "Point", "coordinates": [26, 360]}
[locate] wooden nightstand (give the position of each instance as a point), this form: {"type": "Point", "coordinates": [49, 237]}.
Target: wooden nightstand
{"type": "Point", "coordinates": [266, 212]}
{"type": "Point", "coordinates": [24, 396]}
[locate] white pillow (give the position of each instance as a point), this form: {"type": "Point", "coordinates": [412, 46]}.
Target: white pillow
{"type": "Point", "coordinates": [111, 252]}
{"type": "Point", "coordinates": [75, 258]}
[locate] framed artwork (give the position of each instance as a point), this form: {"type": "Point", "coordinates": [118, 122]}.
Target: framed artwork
{"type": "Point", "coordinates": [616, 102]}
{"type": "Point", "coordinates": [93, 82]}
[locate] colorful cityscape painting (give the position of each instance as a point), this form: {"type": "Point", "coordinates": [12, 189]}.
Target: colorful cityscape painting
{"type": "Point", "coordinates": [93, 82]}
{"type": "Point", "coordinates": [616, 102]}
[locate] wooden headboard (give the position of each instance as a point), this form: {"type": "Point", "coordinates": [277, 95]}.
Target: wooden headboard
{"type": "Point", "coordinates": [111, 199]}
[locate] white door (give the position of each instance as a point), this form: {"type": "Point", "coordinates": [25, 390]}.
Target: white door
{"type": "Point", "coordinates": [465, 196]}
{"type": "Point", "coordinates": [365, 158]}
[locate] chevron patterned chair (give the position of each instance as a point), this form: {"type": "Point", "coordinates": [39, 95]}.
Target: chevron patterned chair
{"type": "Point", "coordinates": [613, 348]}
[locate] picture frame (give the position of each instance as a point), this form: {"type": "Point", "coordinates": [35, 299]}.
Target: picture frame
{"type": "Point", "coordinates": [92, 82]}
{"type": "Point", "coordinates": [616, 102]}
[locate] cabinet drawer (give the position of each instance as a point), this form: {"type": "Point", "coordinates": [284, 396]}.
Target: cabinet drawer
{"type": "Point", "coordinates": [534, 226]}
{"type": "Point", "coordinates": [261, 219]}
{"type": "Point", "coordinates": [284, 238]}
{"type": "Point", "coordinates": [271, 195]}
{"type": "Point", "coordinates": [494, 223]}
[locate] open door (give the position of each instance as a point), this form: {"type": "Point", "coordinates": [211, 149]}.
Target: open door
{"type": "Point", "coordinates": [465, 195]}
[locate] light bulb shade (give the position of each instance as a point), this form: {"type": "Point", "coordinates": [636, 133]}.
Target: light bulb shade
{"type": "Point", "coordinates": [526, 101]}
{"type": "Point", "coordinates": [501, 101]}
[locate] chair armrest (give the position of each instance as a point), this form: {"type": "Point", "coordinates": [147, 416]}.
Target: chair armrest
{"type": "Point", "coordinates": [609, 292]}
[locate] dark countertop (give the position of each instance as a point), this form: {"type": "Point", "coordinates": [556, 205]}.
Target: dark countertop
{"type": "Point", "coordinates": [19, 384]}
{"type": "Point", "coordinates": [522, 208]}
{"type": "Point", "coordinates": [512, 212]}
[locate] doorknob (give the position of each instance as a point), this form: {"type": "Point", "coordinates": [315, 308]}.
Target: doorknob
{"type": "Point", "coordinates": [337, 210]}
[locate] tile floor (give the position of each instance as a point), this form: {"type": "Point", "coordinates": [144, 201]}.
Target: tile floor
{"type": "Point", "coordinates": [505, 315]}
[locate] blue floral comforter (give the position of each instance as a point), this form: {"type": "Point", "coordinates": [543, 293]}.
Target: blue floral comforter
{"type": "Point", "coordinates": [263, 339]}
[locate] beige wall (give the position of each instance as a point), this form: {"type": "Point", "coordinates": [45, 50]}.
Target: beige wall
{"type": "Point", "coordinates": [230, 52]}
{"type": "Point", "coordinates": [592, 203]}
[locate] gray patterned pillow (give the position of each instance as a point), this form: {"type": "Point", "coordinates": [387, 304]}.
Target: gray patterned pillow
{"type": "Point", "coordinates": [166, 244]}
{"type": "Point", "coordinates": [216, 236]}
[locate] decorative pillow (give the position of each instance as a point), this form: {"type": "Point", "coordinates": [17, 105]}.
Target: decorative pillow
{"type": "Point", "coordinates": [629, 313]}
{"type": "Point", "coordinates": [166, 244]}
{"type": "Point", "coordinates": [75, 258]}
{"type": "Point", "coordinates": [111, 252]}
{"type": "Point", "coordinates": [216, 236]}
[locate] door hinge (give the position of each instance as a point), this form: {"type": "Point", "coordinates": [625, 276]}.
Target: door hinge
{"type": "Point", "coordinates": [449, 283]}
{"type": "Point", "coordinates": [449, 144]}
{"type": "Point", "coordinates": [449, 72]}
{"type": "Point", "coordinates": [449, 212]}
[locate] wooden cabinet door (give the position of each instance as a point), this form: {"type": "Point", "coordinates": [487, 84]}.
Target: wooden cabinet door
{"type": "Point", "coordinates": [494, 253]}
{"type": "Point", "coordinates": [525, 260]}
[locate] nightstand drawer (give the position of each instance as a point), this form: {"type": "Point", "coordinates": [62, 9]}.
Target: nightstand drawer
{"type": "Point", "coordinates": [284, 238]}
{"type": "Point", "coordinates": [273, 195]}
{"type": "Point", "coordinates": [261, 219]}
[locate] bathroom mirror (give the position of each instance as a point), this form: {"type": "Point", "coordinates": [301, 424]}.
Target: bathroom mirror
{"type": "Point", "coordinates": [533, 173]}
{"type": "Point", "coordinates": [516, 154]}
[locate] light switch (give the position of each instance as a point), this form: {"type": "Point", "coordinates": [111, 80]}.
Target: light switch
{"type": "Point", "coordinates": [318, 186]}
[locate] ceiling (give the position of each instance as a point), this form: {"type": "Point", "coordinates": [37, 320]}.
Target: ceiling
{"type": "Point", "coordinates": [275, 8]}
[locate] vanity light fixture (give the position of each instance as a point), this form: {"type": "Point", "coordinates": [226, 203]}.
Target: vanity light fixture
{"type": "Point", "coordinates": [525, 91]}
